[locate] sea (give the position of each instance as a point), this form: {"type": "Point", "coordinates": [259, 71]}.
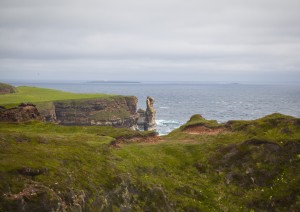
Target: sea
{"type": "Point", "coordinates": [176, 102]}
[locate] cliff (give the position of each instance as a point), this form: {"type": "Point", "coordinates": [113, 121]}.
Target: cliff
{"type": "Point", "coordinates": [78, 109]}
{"type": "Point", "coordinates": [119, 111]}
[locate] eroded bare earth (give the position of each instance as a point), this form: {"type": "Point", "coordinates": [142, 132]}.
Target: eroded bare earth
{"type": "Point", "coordinates": [202, 130]}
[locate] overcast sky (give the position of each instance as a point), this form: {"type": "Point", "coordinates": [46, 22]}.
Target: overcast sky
{"type": "Point", "coordinates": [157, 40]}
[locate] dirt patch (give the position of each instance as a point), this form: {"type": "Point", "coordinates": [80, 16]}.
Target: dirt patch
{"type": "Point", "coordinates": [138, 139]}
{"type": "Point", "coordinates": [202, 130]}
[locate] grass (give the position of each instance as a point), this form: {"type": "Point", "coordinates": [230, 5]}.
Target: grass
{"type": "Point", "coordinates": [197, 120]}
{"type": "Point", "coordinates": [182, 172]}
{"type": "Point", "coordinates": [37, 95]}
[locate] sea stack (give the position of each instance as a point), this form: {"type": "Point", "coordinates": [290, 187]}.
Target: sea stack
{"type": "Point", "coordinates": [150, 123]}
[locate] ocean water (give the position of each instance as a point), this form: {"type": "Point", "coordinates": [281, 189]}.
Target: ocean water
{"type": "Point", "coordinates": [175, 103]}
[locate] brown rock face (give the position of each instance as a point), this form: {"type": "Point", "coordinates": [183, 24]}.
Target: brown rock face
{"type": "Point", "coordinates": [118, 111]}
{"type": "Point", "coordinates": [146, 119]}
{"type": "Point", "coordinates": [24, 112]}
{"type": "Point", "coordinates": [150, 123]}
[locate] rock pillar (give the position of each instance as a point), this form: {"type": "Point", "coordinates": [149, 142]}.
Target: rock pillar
{"type": "Point", "coordinates": [150, 113]}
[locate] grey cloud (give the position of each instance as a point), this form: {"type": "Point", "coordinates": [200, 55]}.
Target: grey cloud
{"type": "Point", "coordinates": [126, 38]}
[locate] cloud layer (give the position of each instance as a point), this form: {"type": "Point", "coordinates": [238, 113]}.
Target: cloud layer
{"type": "Point", "coordinates": [150, 40]}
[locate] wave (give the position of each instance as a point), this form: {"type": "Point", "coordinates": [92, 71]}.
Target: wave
{"type": "Point", "coordinates": [164, 127]}
{"type": "Point", "coordinates": [163, 107]}
{"type": "Point", "coordinates": [166, 122]}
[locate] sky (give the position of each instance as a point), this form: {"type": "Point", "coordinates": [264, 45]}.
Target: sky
{"type": "Point", "coordinates": [157, 40]}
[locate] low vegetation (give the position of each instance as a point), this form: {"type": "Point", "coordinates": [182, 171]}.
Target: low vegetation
{"type": "Point", "coordinates": [247, 166]}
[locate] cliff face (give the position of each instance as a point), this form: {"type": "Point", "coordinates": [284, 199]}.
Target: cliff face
{"type": "Point", "coordinates": [118, 111]}
{"type": "Point", "coordinates": [142, 119]}
{"type": "Point", "coordinates": [24, 112]}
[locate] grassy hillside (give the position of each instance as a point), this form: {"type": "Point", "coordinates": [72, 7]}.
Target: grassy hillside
{"type": "Point", "coordinates": [238, 166]}
{"type": "Point", "coordinates": [34, 95]}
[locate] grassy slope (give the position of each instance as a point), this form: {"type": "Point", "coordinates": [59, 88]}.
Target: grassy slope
{"type": "Point", "coordinates": [35, 95]}
{"type": "Point", "coordinates": [183, 171]}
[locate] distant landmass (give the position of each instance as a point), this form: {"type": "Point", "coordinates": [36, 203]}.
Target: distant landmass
{"type": "Point", "coordinates": [115, 82]}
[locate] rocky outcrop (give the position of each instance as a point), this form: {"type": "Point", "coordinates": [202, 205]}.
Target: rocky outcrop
{"type": "Point", "coordinates": [6, 89]}
{"type": "Point", "coordinates": [146, 119]}
{"type": "Point", "coordinates": [47, 111]}
{"type": "Point", "coordinates": [24, 112]}
{"type": "Point", "coordinates": [38, 197]}
{"type": "Point", "coordinates": [116, 111]}
{"type": "Point", "coordinates": [150, 123]}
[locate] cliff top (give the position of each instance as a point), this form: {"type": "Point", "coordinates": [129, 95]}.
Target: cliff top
{"type": "Point", "coordinates": [34, 95]}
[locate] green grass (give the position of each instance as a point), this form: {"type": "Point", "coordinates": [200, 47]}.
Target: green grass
{"type": "Point", "coordinates": [37, 95]}
{"type": "Point", "coordinates": [182, 172]}
{"type": "Point", "coordinates": [197, 120]}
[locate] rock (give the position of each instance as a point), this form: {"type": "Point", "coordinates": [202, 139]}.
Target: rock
{"type": "Point", "coordinates": [150, 123]}
{"type": "Point", "coordinates": [7, 89]}
{"type": "Point", "coordinates": [35, 197]}
{"type": "Point", "coordinates": [27, 171]}
{"type": "Point", "coordinates": [24, 112]}
{"type": "Point", "coordinates": [146, 120]}
{"type": "Point", "coordinates": [141, 119]}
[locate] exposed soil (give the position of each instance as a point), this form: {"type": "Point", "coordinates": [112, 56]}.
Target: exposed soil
{"type": "Point", "coordinates": [202, 130]}
{"type": "Point", "coordinates": [24, 112]}
{"type": "Point", "coordinates": [138, 139]}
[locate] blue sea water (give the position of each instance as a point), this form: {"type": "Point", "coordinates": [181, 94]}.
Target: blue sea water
{"type": "Point", "coordinates": [177, 102]}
